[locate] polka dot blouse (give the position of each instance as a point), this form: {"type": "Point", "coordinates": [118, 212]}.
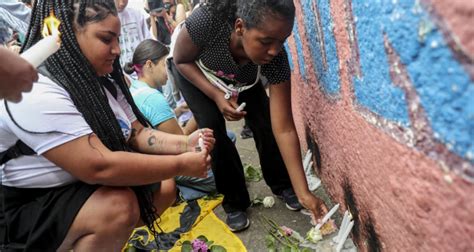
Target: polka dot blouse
{"type": "Point", "coordinates": [213, 37]}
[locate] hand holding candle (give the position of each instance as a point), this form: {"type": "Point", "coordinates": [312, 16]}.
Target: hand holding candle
{"type": "Point", "coordinates": [201, 142]}
{"type": "Point", "coordinates": [327, 216]}
{"type": "Point", "coordinates": [202, 139]}
{"type": "Point", "coordinates": [241, 107]}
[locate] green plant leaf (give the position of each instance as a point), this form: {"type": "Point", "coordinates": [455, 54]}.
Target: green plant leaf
{"type": "Point", "coordinates": [270, 242]}
{"type": "Point", "coordinates": [186, 247]}
{"type": "Point", "coordinates": [252, 174]}
{"type": "Point", "coordinates": [202, 238]}
{"type": "Point", "coordinates": [218, 248]}
{"type": "Point", "coordinates": [257, 201]}
{"type": "Point", "coordinates": [212, 196]}
{"type": "Point", "coordinates": [295, 249]}
{"type": "Point", "coordinates": [307, 250]}
{"type": "Point", "coordinates": [209, 243]}
{"type": "Point", "coordinates": [287, 249]}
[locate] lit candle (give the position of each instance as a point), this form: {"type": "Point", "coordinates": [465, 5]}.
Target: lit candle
{"type": "Point", "coordinates": [39, 52]}
{"type": "Point", "coordinates": [344, 236]}
{"type": "Point", "coordinates": [44, 48]}
{"type": "Point", "coordinates": [241, 107]}
{"type": "Point", "coordinates": [327, 216]}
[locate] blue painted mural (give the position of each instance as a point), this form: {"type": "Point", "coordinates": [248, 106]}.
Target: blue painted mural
{"type": "Point", "coordinates": [441, 82]}
{"type": "Point", "coordinates": [319, 31]}
{"type": "Point", "coordinates": [299, 48]}
{"type": "Point", "coordinates": [290, 58]}
{"type": "Point", "coordinates": [374, 89]}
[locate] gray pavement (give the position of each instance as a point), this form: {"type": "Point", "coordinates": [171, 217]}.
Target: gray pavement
{"type": "Point", "coordinates": [254, 237]}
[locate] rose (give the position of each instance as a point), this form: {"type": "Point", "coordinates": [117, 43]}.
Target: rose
{"type": "Point", "coordinates": [314, 235]}
{"type": "Point", "coordinates": [288, 231]}
{"type": "Point", "coordinates": [268, 202]}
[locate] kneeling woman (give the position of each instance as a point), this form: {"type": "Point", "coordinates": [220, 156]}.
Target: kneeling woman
{"type": "Point", "coordinates": [87, 186]}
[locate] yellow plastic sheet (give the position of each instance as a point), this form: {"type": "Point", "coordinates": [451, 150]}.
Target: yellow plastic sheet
{"type": "Point", "coordinates": [206, 224]}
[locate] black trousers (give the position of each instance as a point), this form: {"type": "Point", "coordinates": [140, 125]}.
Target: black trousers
{"type": "Point", "coordinates": [226, 163]}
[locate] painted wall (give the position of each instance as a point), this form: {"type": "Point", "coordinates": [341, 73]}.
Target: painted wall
{"type": "Point", "coordinates": [383, 92]}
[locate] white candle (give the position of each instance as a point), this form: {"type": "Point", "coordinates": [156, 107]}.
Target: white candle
{"type": "Point", "coordinates": [327, 216]}
{"type": "Point", "coordinates": [307, 158]}
{"type": "Point", "coordinates": [344, 236]}
{"type": "Point", "coordinates": [201, 142]}
{"type": "Point", "coordinates": [241, 107]}
{"type": "Point", "coordinates": [343, 226]}
{"type": "Point", "coordinates": [307, 168]}
{"type": "Point", "coordinates": [40, 51]}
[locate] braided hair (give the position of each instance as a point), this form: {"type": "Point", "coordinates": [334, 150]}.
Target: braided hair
{"type": "Point", "coordinates": [71, 70]}
{"type": "Point", "coordinates": [251, 11]}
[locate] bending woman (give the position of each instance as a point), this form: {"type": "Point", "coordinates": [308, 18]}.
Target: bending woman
{"type": "Point", "coordinates": [220, 55]}
{"type": "Point", "coordinates": [87, 187]}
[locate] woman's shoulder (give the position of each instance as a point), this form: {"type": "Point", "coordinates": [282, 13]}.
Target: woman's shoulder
{"type": "Point", "coordinates": [46, 95]}
{"type": "Point", "coordinates": [202, 16]}
{"type": "Point", "coordinates": [204, 27]}
{"type": "Point", "coordinates": [44, 89]}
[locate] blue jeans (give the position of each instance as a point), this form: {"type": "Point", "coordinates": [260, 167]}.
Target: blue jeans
{"type": "Point", "coordinates": [195, 188]}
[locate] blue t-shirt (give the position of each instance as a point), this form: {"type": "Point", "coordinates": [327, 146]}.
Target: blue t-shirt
{"type": "Point", "coordinates": [151, 103]}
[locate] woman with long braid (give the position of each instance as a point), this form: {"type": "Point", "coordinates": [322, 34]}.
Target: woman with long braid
{"type": "Point", "coordinates": [224, 48]}
{"type": "Point", "coordinates": [88, 186]}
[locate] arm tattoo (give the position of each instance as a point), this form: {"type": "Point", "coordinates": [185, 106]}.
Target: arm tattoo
{"type": "Point", "coordinates": [151, 140]}
{"type": "Point", "coordinates": [156, 144]}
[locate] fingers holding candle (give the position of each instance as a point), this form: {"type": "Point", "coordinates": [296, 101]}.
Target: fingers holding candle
{"type": "Point", "coordinates": [208, 139]}
{"type": "Point", "coordinates": [201, 139]}
{"type": "Point", "coordinates": [241, 107]}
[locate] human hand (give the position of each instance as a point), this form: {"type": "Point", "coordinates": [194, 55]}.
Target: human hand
{"type": "Point", "coordinates": [228, 108]}
{"type": "Point", "coordinates": [314, 204]}
{"type": "Point", "coordinates": [207, 137]}
{"type": "Point", "coordinates": [15, 77]}
{"type": "Point", "coordinates": [195, 164]}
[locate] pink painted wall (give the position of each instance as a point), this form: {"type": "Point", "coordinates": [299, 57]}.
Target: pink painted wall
{"type": "Point", "coordinates": [407, 189]}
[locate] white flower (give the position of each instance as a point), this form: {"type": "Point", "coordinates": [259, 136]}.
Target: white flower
{"type": "Point", "coordinates": [314, 235]}
{"type": "Point", "coordinates": [268, 201]}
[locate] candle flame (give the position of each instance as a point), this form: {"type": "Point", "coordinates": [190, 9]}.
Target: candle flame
{"type": "Point", "coordinates": [51, 26]}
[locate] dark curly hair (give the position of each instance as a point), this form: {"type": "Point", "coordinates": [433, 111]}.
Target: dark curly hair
{"type": "Point", "coordinates": [251, 11]}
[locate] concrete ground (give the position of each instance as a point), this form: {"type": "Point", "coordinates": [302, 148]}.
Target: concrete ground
{"type": "Point", "coordinates": [254, 237]}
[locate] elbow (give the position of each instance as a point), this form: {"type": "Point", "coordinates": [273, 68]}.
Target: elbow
{"type": "Point", "coordinates": [99, 170]}
{"type": "Point", "coordinates": [176, 61]}
{"type": "Point", "coordinates": [179, 62]}
{"type": "Point", "coordinates": [282, 129]}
